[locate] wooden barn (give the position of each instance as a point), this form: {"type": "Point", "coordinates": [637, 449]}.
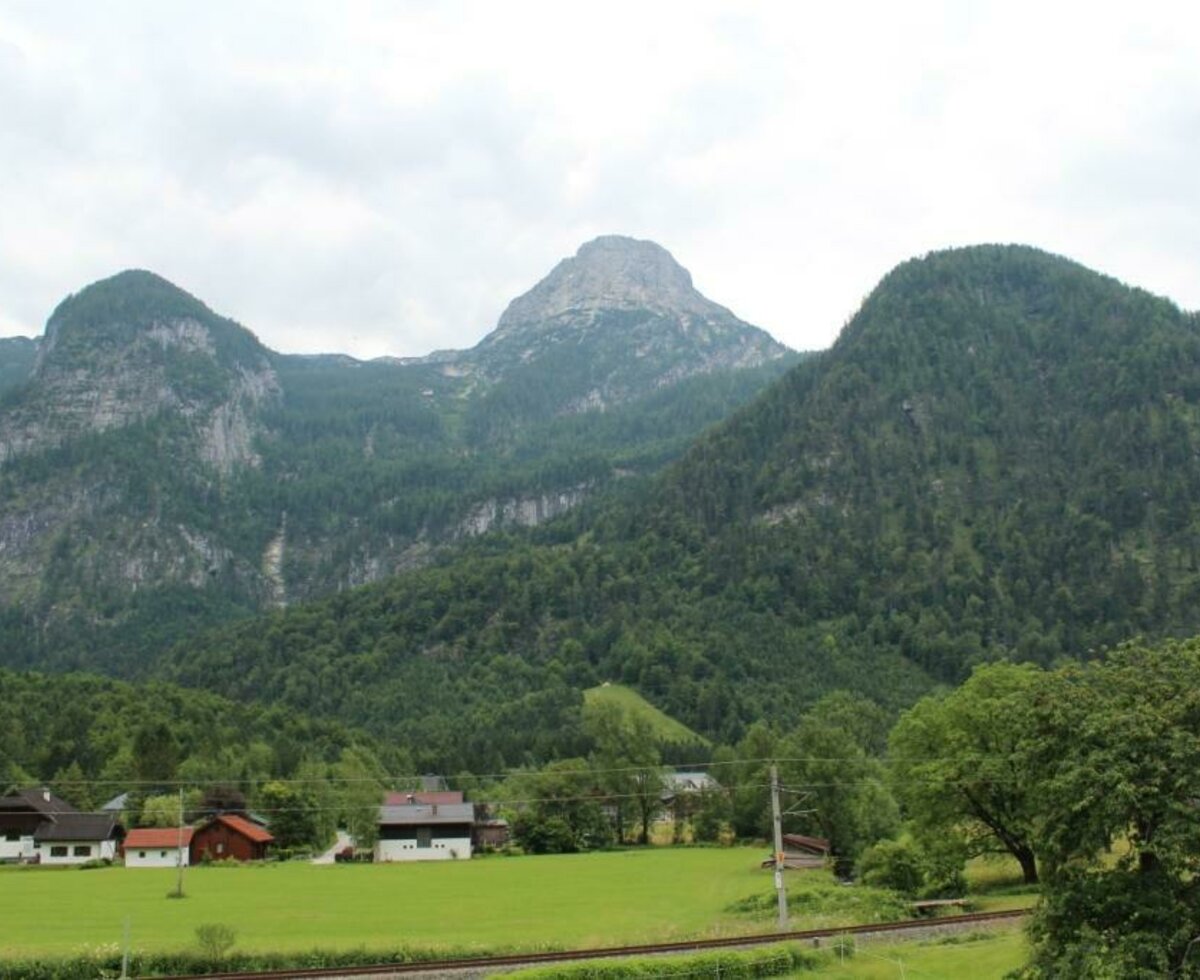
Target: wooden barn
{"type": "Point", "coordinates": [229, 836]}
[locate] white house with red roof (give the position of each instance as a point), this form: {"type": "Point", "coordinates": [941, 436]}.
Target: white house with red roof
{"type": "Point", "coordinates": [157, 847]}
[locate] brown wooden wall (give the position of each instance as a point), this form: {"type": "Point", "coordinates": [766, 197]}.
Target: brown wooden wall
{"type": "Point", "coordinates": [221, 843]}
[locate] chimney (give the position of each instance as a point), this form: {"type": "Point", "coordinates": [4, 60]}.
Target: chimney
{"type": "Point", "coordinates": [411, 799]}
{"type": "Point", "coordinates": [434, 810]}
{"type": "Point", "coordinates": [46, 793]}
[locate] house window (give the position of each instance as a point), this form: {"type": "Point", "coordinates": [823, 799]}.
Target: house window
{"type": "Point", "coordinates": [220, 847]}
{"type": "Point", "coordinates": [424, 836]}
{"type": "Point", "coordinates": [141, 854]}
{"type": "Point", "coordinates": [58, 851]}
{"type": "Point", "coordinates": [13, 835]}
{"type": "Point", "coordinates": [162, 854]}
{"type": "Point", "coordinates": [83, 850]}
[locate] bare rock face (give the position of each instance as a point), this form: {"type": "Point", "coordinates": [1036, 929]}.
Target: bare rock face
{"type": "Point", "coordinates": [611, 273]}
{"type": "Point", "coordinates": [613, 323]}
{"type": "Point", "coordinates": [125, 352]}
{"type": "Point", "coordinates": [130, 348]}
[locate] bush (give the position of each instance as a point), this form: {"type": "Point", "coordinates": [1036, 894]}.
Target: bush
{"type": "Point", "coordinates": [915, 869]}
{"type": "Point", "coordinates": [893, 864]}
{"type": "Point", "coordinates": [769, 961]}
{"type": "Point", "coordinates": [215, 939]}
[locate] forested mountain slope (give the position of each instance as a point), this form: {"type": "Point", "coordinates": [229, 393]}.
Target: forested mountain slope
{"type": "Point", "coordinates": [1000, 455]}
{"type": "Point", "coordinates": [161, 470]}
{"type": "Point", "coordinates": [997, 458]}
{"type": "Point", "coordinates": [93, 738]}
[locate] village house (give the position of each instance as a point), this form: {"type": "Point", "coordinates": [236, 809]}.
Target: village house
{"type": "Point", "coordinates": [37, 826]}
{"type": "Point", "coordinates": [157, 847]}
{"type": "Point", "coordinates": [75, 838]}
{"type": "Point", "coordinates": [230, 836]}
{"type": "Point", "coordinates": [427, 825]}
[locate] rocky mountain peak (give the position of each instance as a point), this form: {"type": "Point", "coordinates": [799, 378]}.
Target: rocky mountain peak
{"type": "Point", "coordinates": [130, 347]}
{"type": "Point", "coordinates": [612, 272]}
{"type": "Point", "coordinates": [135, 309]}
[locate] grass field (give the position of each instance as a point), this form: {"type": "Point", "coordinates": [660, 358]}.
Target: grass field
{"type": "Point", "coordinates": [664, 727]}
{"type": "Point", "coordinates": [493, 903]}
{"type": "Point", "coordinates": [980, 956]}
{"type": "Point", "coordinates": [490, 903]}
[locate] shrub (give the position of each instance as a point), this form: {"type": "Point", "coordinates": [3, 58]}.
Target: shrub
{"type": "Point", "coordinates": [215, 939]}
{"type": "Point", "coordinates": [768, 961]}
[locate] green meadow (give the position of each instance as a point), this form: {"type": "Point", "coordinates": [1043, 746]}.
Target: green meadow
{"type": "Point", "coordinates": [484, 904]}
{"type": "Point", "coordinates": [661, 725]}
{"type": "Point", "coordinates": [980, 955]}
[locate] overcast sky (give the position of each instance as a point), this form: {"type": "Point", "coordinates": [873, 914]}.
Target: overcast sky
{"type": "Point", "coordinates": [384, 178]}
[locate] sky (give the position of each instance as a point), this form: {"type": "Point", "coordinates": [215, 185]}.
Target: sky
{"type": "Point", "coordinates": [381, 179]}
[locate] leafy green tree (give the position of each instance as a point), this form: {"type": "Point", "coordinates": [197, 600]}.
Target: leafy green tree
{"type": "Point", "coordinates": [155, 752]}
{"type": "Point", "coordinates": [711, 816]}
{"type": "Point", "coordinates": [627, 761]}
{"type": "Point", "coordinates": [1121, 777]}
{"type": "Point", "coordinates": [925, 868]}
{"type": "Point", "coordinates": [360, 786]}
{"type": "Point", "coordinates": [558, 808]}
{"type": "Point", "coordinates": [840, 791]}
{"type": "Point", "coordinates": [292, 810]}
{"type": "Point", "coordinates": [73, 786]}
{"type": "Point", "coordinates": [160, 811]}
{"type": "Point", "coordinates": [966, 764]}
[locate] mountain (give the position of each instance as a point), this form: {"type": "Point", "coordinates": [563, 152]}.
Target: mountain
{"type": "Point", "coordinates": [133, 347]}
{"type": "Point", "coordinates": [1000, 457]}
{"type": "Point", "coordinates": [161, 469]}
{"type": "Point", "coordinates": [17, 355]}
{"type": "Point", "coordinates": [618, 320]}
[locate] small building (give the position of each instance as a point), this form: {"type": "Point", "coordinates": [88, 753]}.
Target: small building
{"type": "Point", "coordinates": [677, 783]}
{"type": "Point", "coordinates": [492, 833]}
{"type": "Point", "coordinates": [230, 836]}
{"type": "Point", "coordinates": [425, 831]}
{"type": "Point", "coordinates": [157, 847]}
{"type": "Point", "coordinates": [801, 852]}
{"type": "Point", "coordinates": [76, 838]}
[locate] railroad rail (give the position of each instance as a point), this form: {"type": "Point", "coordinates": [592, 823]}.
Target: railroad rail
{"type": "Point", "coordinates": [608, 952]}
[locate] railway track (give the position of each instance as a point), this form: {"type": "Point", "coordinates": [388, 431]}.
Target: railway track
{"type": "Point", "coordinates": [490, 963]}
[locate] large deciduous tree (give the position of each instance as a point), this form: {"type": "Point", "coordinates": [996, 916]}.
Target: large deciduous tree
{"type": "Point", "coordinates": [964, 763]}
{"type": "Point", "coordinates": [1121, 825]}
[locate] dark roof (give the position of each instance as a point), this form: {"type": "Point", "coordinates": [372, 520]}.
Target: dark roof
{"type": "Point", "coordinates": [815, 845]}
{"type": "Point", "coordinates": [439, 797]}
{"type": "Point", "coordinates": [78, 826]}
{"type": "Point", "coordinates": [37, 798]}
{"type": "Point", "coordinates": [117, 803]}
{"type": "Point", "coordinates": [413, 814]}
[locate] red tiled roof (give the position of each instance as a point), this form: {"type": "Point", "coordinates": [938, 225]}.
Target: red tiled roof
{"type": "Point", "coordinates": [247, 828]}
{"type": "Point", "coordinates": [156, 837]}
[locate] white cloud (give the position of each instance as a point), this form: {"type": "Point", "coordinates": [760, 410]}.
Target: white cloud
{"type": "Point", "coordinates": [383, 178]}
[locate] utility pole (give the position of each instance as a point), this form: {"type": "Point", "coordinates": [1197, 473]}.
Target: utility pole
{"type": "Point", "coordinates": [125, 953]}
{"type": "Point", "coordinates": [179, 887]}
{"type": "Point", "coordinates": [777, 820]}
